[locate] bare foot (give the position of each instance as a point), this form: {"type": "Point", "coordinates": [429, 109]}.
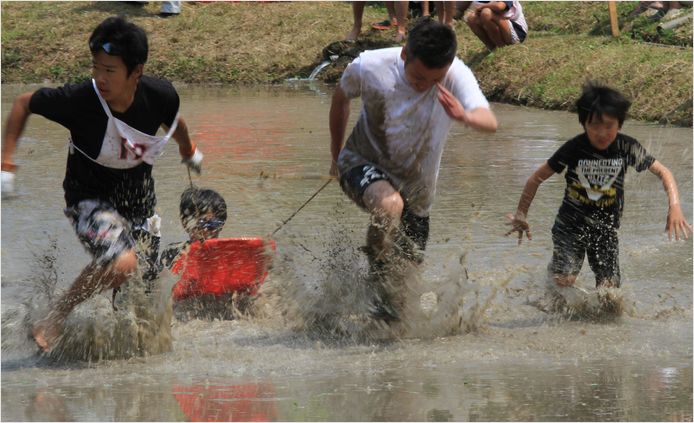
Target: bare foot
{"type": "Point", "coordinates": [47, 331]}
{"type": "Point", "coordinates": [400, 37]}
{"type": "Point", "coordinates": [353, 34]}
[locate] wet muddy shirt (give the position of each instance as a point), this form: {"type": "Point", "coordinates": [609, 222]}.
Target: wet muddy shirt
{"type": "Point", "coordinates": [595, 179]}
{"type": "Point", "coordinates": [77, 108]}
{"type": "Point", "coordinates": [400, 130]}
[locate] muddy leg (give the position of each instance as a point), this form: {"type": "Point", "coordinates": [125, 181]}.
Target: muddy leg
{"type": "Point", "coordinates": [93, 278]}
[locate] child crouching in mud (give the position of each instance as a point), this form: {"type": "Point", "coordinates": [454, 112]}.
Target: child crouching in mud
{"type": "Point", "coordinates": [596, 162]}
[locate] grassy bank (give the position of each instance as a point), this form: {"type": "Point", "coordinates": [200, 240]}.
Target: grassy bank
{"type": "Point", "coordinates": [268, 42]}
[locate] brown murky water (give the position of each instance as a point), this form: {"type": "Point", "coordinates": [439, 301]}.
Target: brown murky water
{"type": "Point", "coordinates": [267, 151]}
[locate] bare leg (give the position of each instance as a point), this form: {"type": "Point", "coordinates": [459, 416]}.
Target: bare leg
{"type": "Point", "coordinates": [564, 280]}
{"type": "Point", "coordinates": [497, 29]}
{"type": "Point", "coordinates": [449, 9]}
{"type": "Point", "coordinates": [502, 27]}
{"type": "Point", "coordinates": [475, 25]}
{"type": "Point", "coordinates": [392, 16]}
{"type": "Point", "coordinates": [385, 205]}
{"type": "Point", "coordinates": [401, 15]}
{"type": "Point", "coordinates": [425, 8]}
{"type": "Point", "coordinates": [92, 279]}
{"type": "Point", "coordinates": [439, 10]}
{"type": "Point", "coordinates": [357, 14]}
{"type": "Point", "coordinates": [446, 11]}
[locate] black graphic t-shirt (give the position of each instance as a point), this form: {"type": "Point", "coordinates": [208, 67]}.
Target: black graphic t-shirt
{"type": "Point", "coordinates": [595, 179]}
{"type": "Point", "coordinates": [77, 108]}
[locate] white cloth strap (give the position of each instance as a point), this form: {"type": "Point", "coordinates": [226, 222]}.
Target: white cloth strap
{"type": "Point", "coordinates": [107, 110]}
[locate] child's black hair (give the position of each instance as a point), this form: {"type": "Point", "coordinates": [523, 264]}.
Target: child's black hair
{"type": "Point", "coordinates": [598, 100]}
{"type": "Point", "coordinates": [118, 37]}
{"type": "Point", "coordinates": [433, 43]}
{"type": "Point", "coordinates": [199, 201]}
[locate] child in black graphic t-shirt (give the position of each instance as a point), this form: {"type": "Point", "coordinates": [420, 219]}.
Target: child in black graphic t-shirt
{"type": "Point", "coordinates": [596, 163]}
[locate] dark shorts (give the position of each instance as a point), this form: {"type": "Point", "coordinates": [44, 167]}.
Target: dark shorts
{"type": "Point", "coordinates": [355, 182]}
{"type": "Point", "coordinates": [106, 234]}
{"type": "Point", "coordinates": [573, 242]}
{"type": "Point", "coordinates": [520, 32]}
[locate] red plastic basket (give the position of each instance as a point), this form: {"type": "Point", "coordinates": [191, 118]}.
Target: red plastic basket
{"type": "Point", "coordinates": [222, 266]}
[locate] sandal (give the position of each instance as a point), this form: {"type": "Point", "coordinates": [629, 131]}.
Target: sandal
{"type": "Point", "coordinates": [384, 25]}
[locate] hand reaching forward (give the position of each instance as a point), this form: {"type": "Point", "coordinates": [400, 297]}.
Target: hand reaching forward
{"type": "Point", "coordinates": [676, 223]}
{"type": "Point", "coordinates": [520, 225]}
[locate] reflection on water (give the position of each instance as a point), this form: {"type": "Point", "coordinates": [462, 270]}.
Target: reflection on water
{"type": "Point", "coordinates": [215, 403]}
{"type": "Point", "coordinates": [610, 390]}
{"type": "Point", "coordinates": [267, 151]}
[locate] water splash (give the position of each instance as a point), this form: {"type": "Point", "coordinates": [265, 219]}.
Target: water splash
{"type": "Point", "coordinates": [577, 303]}
{"type": "Point", "coordinates": [328, 296]}
{"type": "Point", "coordinates": [139, 325]}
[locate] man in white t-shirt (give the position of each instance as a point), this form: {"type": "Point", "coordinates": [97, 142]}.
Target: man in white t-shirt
{"type": "Point", "coordinates": [389, 165]}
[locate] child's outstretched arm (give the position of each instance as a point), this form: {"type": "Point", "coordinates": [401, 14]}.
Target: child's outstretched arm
{"type": "Point", "coordinates": [675, 219]}
{"type": "Point", "coordinates": [518, 222]}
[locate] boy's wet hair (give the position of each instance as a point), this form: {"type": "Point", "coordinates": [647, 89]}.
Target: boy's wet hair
{"type": "Point", "coordinates": [431, 42]}
{"type": "Point", "coordinates": [598, 100]}
{"type": "Point", "coordinates": [196, 202]}
{"type": "Point", "coordinates": [118, 37]}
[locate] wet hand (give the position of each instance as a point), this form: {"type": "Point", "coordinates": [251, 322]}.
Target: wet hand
{"type": "Point", "coordinates": [451, 104]}
{"type": "Point", "coordinates": [519, 225]}
{"type": "Point", "coordinates": [677, 224]}
{"type": "Point", "coordinates": [194, 162]}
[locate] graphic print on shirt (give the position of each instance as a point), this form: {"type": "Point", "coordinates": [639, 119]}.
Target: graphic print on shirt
{"type": "Point", "coordinates": [127, 146]}
{"type": "Point", "coordinates": [597, 177]}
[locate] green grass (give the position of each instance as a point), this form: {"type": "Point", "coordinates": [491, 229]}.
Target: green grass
{"type": "Point", "coordinates": [268, 42]}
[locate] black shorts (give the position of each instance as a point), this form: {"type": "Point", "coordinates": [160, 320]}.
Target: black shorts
{"type": "Point", "coordinates": [106, 234]}
{"type": "Point", "coordinates": [355, 182]}
{"type": "Point", "coordinates": [573, 242]}
{"type": "Point", "coordinates": [101, 229]}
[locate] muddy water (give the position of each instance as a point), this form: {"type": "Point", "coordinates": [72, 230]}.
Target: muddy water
{"type": "Point", "coordinates": [267, 151]}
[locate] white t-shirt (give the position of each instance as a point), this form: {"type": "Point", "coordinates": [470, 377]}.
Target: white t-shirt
{"type": "Point", "coordinates": [402, 131]}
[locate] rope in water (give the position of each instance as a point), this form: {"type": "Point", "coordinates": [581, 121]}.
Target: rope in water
{"type": "Point", "coordinates": [302, 206]}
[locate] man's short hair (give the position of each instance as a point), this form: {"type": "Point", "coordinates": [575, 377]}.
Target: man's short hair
{"type": "Point", "coordinates": [433, 43]}
{"type": "Point", "coordinates": [118, 37]}
{"type": "Point", "coordinates": [597, 100]}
